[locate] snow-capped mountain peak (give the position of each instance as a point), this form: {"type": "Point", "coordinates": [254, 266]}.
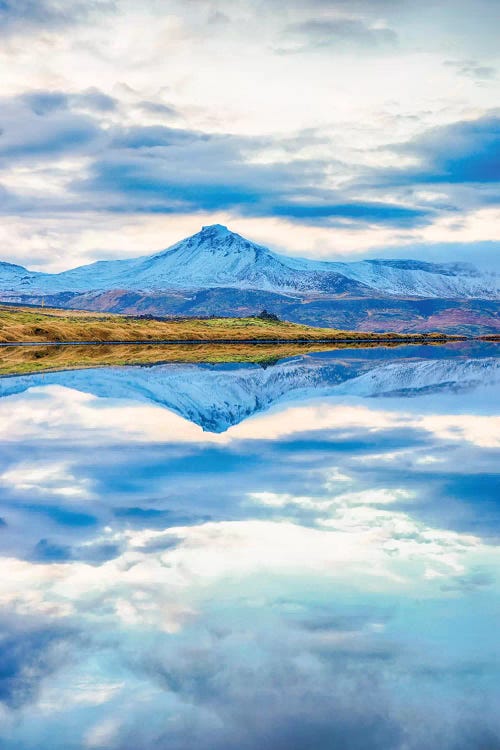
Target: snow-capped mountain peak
{"type": "Point", "coordinates": [213, 241]}
{"type": "Point", "coordinates": [215, 230]}
{"type": "Point", "coordinates": [216, 257]}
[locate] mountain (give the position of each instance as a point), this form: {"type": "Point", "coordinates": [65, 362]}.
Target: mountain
{"type": "Point", "coordinates": [227, 274]}
{"type": "Point", "coordinates": [217, 257]}
{"type": "Point", "coordinates": [214, 257]}
{"type": "Point", "coordinates": [218, 396]}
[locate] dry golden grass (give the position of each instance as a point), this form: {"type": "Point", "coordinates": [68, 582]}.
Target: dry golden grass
{"type": "Point", "coordinates": [18, 325]}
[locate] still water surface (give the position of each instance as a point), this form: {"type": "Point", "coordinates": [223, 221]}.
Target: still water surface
{"type": "Point", "coordinates": [302, 556]}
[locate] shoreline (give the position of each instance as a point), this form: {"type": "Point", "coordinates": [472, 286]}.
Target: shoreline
{"type": "Point", "coordinates": [27, 358]}
{"type": "Point", "coordinates": [400, 339]}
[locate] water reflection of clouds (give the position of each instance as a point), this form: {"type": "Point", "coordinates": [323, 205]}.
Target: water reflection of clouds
{"type": "Point", "coordinates": [323, 575]}
{"type": "Point", "coordinates": [158, 485]}
{"type": "Point", "coordinates": [287, 623]}
{"type": "Point", "coordinates": [56, 412]}
{"type": "Point", "coordinates": [55, 478]}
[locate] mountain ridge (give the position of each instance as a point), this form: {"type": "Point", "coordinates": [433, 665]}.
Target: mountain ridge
{"type": "Point", "coordinates": [218, 272]}
{"type": "Point", "coordinates": [218, 257]}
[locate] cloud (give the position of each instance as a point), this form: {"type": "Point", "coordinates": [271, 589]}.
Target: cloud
{"type": "Point", "coordinates": [46, 102]}
{"type": "Point", "coordinates": [300, 150]}
{"type": "Point", "coordinates": [158, 108]}
{"type": "Point", "coordinates": [42, 126]}
{"type": "Point", "coordinates": [376, 212]}
{"type": "Point", "coordinates": [318, 33]}
{"type": "Point", "coordinates": [157, 169]}
{"type": "Point", "coordinates": [57, 53]}
{"type": "Point", "coordinates": [463, 153]}
{"type": "Point", "coordinates": [160, 169]}
{"type": "Point", "coordinates": [22, 16]}
{"type": "Point", "coordinates": [95, 100]}
{"type": "Point", "coordinates": [472, 69]}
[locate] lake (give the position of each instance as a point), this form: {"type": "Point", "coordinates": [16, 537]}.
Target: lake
{"type": "Point", "coordinates": [300, 553]}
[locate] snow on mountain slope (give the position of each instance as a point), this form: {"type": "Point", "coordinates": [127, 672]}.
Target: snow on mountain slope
{"type": "Point", "coordinates": [216, 257]}
{"type": "Point", "coordinates": [420, 279]}
{"type": "Point", "coordinates": [218, 396]}
{"type": "Point", "coordinates": [18, 277]}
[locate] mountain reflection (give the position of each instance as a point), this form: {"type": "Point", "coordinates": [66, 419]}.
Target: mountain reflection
{"type": "Point", "coordinates": [217, 396]}
{"type": "Point", "coordinates": [296, 556]}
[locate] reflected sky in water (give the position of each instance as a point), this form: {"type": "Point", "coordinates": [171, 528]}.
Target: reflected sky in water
{"type": "Point", "coordinates": [301, 557]}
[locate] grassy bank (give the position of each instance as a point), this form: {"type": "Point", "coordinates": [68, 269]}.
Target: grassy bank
{"type": "Point", "coordinates": [21, 325]}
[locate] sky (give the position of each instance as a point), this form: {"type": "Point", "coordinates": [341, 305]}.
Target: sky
{"type": "Point", "coordinates": [325, 129]}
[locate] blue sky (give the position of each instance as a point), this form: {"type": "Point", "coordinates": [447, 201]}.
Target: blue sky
{"type": "Point", "coordinates": [327, 129]}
